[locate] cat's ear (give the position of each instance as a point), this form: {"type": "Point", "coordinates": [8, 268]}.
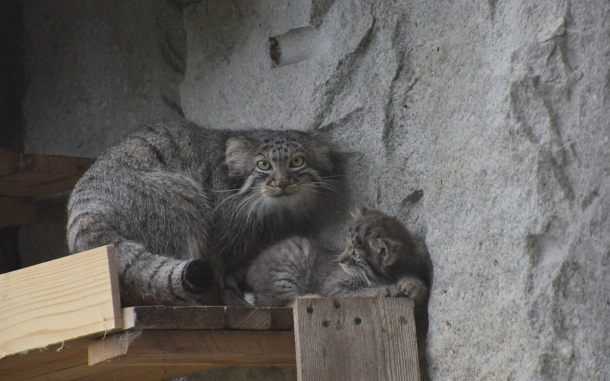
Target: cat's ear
{"type": "Point", "coordinates": [238, 154]}
{"type": "Point", "coordinates": [386, 248]}
{"type": "Point", "coordinates": [359, 212]}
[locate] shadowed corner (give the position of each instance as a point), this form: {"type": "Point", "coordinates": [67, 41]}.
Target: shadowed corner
{"type": "Point", "coordinates": [421, 314]}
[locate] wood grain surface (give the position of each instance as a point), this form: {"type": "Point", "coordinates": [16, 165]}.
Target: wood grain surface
{"type": "Point", "coordinates": [356, 339]}
{"type": "Point", "coordinates": [59, 300]}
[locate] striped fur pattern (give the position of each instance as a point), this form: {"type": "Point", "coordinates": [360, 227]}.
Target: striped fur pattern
{"type": "Point", "coordinates": [379, 260]}
{"type": "Point", "coordinates": [185, 206]}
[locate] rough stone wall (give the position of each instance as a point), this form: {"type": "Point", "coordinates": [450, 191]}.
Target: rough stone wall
{"type": "Point", "coordinates": [95, 70]}
{"type": "Point", "coordinates": [483, 125]}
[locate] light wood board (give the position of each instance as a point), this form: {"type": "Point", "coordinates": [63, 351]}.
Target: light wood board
{"type": "Point", "coordinates": [59, 300]}
{"type": "Point", "coordinates": [355, 339]}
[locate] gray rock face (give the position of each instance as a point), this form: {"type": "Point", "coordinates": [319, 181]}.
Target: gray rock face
{"type": "Point", "coordinates": [484, 126]}
{"type": "Point", "coordinates": [496, 112]}
{"type": "Point", "coordinates": [97, 70]}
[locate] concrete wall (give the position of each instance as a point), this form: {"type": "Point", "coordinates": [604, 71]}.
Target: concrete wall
{"type": "Point", "coordinates": [483, 125]}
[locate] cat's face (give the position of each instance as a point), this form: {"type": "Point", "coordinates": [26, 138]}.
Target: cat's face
{"type": "Point", "coordinates": [372, 245]}
{"type": "Point", "coordinates": [280, 169]}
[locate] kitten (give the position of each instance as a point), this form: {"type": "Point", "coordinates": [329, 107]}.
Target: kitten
{"type": "Point", "coordinates": [187, 206]}
{"type": "Point", "coordinates": [379, 260]}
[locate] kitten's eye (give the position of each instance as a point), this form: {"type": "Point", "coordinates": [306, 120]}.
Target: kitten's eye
{"type": "Point", "coordinates": [355, 254]}
{"type": "Point", "coordinates": [382, 251]}
{"type": "Point", "coordinates": [297, 162]}
{"type": "Point", "coordinates": [263, 165]}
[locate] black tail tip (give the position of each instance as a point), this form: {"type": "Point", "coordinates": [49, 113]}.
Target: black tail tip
{"type": "Point", "coordinates": [198, 276]}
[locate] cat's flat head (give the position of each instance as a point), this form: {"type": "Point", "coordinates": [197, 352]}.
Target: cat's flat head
{"type": "Point", "coordinates": [280, 168]}
{"type": "Point", "coordinates": [375, 244]}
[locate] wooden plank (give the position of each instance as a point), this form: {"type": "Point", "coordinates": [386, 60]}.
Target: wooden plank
{"type": "Point", "coordinates": [16, 211]}
{"type": "Point", "coordinates": [53, 359]}
{"type": "Point", "coordinates": [60, 300]}
{"type": "Point", "coordinates": [189, 347]}
{"type": "Point", "coordinates": [248, 318]}
{"type": "Point", "coordinates": [68, 361]}
{"type": "Point", "coordinates": [117, 373]}
{"type": "Point", "coordinates": [355, 339]}
{"type": "Point", "coordinates": [39, 175]}
{"type": "Point", "coordinates": [121, 373]}
{"type": "Point", "coordinates": [165, 317]}
{"type": "Point", "coordinates": [207, 317]}
{"type": "Point", "coordinates": [259, 318]}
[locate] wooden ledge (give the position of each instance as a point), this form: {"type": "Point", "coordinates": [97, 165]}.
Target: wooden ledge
{"type": "Point", "coordinates": [24, 175]}
{"type": "Point", "coordinates": [208, 317]}
{"type": "Point", "coordinates": [61, 320]}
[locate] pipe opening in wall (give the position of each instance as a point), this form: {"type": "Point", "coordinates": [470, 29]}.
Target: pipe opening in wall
{"type": "Point", "coordinates": [296, 45]}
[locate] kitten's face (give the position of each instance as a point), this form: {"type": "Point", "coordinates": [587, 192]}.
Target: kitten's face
{"type": "Point", "coordinates": [371, 247]}
{"type": "Point", "coordinates": [279, 169]}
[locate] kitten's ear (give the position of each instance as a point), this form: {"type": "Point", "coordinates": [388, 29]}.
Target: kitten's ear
{"type": "Point", "coordinates": [387, 248]}
{"type": "Point", "coordinates": [238, 155]}
{"type": "Point", "coordinates": [359, 212]}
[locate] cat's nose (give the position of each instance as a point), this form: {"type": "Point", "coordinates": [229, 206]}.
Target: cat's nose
{"type": "Point", "coordinates": [282, 183]}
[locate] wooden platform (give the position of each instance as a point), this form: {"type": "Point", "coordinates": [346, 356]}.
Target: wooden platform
{"type": "Point", "coordinates": [60, 321]}
{"type": "Point", "coordinates": [26, 177]}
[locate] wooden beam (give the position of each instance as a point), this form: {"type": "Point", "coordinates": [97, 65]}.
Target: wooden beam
{"type": "Point", "coordinates": [45, 362]}
{"type": "Point", "coordinates": [68, 361]}
{"type": "Point", "coordinates": [59, 300]}
{"type": "Point", "coordinates": [16, 211]}
{"type": "Point", "coordinates": [355, 339]}
{"type": "Point", "coordinates": [39, 175]}
{"type": "Point", "coordinates": [191, 347]}
{"type": "Point", "coordinates": [207, 317]}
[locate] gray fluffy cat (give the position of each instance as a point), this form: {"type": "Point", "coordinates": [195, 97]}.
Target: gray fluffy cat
{"type": "Point", "coordinates": [379, 260]}
{"type": "Point", "coordinates": [186, 206]}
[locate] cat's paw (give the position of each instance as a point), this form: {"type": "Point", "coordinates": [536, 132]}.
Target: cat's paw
{"type": "Point", "coordinates": [412, 288]}
{"type": "Point", "coordinates": [198, 276]}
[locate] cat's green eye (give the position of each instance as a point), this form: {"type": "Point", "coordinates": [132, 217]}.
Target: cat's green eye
{"type": "Point", "coordinates": [263, 165]}
{"type": "Point", "coordinates": [297, 162]}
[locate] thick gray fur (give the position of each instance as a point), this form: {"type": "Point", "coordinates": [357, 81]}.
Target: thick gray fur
{"type": "Point", "coordinates": [187, 206]}
{"type": "Point", "coordinates": [298, 266]}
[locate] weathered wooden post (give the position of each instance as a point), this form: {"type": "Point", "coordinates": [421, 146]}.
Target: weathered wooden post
{"type": "Point", "coordinates": [355, 339]}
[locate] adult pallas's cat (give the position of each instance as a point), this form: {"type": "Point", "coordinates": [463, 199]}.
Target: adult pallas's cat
{"type": "Point", "coordinates": [186, 206]}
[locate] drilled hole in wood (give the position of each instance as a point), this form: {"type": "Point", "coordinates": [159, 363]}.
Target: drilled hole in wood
{"type": "Point", "coordinates": [310, 309]}
{"type": "Point", "coordinates": [357, 321]}
{"type": "Point", "coordinates": [337, 304]}
{"type": "Point", "coordinates": [325, 324]}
